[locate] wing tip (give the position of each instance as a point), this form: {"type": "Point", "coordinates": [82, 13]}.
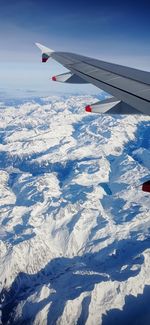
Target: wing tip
{"type": "Point", "coordinates": [43, 48]}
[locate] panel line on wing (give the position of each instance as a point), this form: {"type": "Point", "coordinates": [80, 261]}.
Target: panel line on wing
{"type": "Point", "coordinates": [110, 85]}
{"type": "Point", "coordinates": [121, 75]}
{"type": "Point", "coordinates": [75, 60]}
{"type": "Point", "coordinates": [109, 71]}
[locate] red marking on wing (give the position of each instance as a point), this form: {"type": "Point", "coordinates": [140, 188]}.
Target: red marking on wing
{"type": "Point", "coordinates": [44, 59]}
{"type": "Point", "coordinates": [88, 108]}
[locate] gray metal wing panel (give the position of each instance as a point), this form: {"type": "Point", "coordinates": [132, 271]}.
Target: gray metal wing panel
{"type": "Point", "coordinates": [135, 74]}
{"type": "Point", "coordinates": [129, 98]}
{"type": "Point", "coordinates": [114, 79]}
{"type": "Point", "coordinates": [129, 85]}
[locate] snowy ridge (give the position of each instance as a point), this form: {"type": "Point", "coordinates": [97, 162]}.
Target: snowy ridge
{"type": "Point", "coordinates": [74, 222]}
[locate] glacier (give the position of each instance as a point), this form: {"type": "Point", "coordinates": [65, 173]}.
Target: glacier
{"type": "Point", "coordinates": [74, 234]}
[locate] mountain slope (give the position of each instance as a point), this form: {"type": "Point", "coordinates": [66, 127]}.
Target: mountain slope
{"type": "Point", "coordinates": [74, 221]}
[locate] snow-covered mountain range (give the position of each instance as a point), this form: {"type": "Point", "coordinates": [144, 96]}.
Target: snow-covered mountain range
{"type": "Point", "coordinates": [74, 222]}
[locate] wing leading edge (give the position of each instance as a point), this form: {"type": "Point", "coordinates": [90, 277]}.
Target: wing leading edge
{"type": "Point", "coordinates": [129, 87]}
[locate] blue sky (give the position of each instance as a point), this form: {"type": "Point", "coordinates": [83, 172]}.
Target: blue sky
{"type": "Point", "coordinates": [116, 31]}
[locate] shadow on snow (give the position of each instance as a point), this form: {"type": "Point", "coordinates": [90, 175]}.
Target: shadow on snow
{"type": "Point", "coordinates": [135, 311]}
{"type": "Point", "coordinates": [69, 277]}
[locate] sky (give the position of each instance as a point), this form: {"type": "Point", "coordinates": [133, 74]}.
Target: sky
{"type": "Point", "coordinates": [114, 31]}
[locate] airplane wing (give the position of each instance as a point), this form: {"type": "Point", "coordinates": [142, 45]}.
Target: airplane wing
{"type": "Point", "coordinates": [129, 87]}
